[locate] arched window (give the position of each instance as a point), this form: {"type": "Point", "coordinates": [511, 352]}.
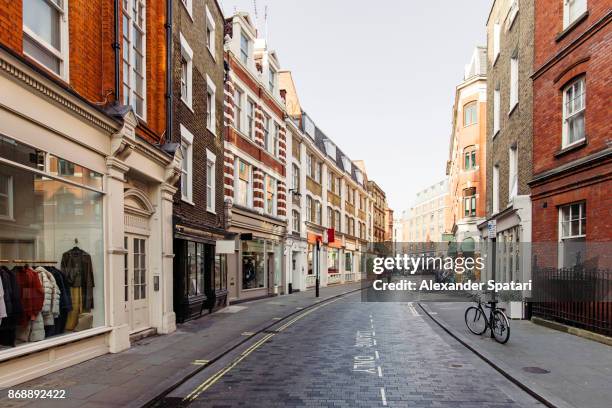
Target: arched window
{"type": "Point", "coordinates": [470, 116]}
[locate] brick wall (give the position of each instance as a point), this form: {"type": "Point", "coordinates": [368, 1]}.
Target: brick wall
{"type": "Point", "coordinates": [11, 24]}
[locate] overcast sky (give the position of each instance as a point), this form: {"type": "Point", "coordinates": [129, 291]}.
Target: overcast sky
{"type": "Point", "coordinates": [378, 77]}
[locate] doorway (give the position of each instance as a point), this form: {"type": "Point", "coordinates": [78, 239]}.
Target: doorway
{"type": "Point", "coordinates": [135, 282]}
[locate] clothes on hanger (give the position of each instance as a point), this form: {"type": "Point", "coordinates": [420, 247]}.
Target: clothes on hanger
{"type": "Point", "coordinates": [14, 308]}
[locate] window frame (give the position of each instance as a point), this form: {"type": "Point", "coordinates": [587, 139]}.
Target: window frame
{"type": "Point", "coordinates": [131, 84]}
{"type": "Point", "coordinates": [211, 32]}
{"type": "Point", "coordinates": [250, 116]}
{"type": "Point", "coordinates": [309, 208]}
{"type": "Point", "coordinates": [295, 178]}
{"type": "Point", "coordinates": [237, 179]}
{"type": "Point", "coordinates": [10, 196]}
{"type": "Point", "coordinates": [495, 192]}
{"type": "Point", "coordinates": [188, 4]}
{"type": "Point", "coordinates": [496, 41]}
{"type": "Point", "coordinates": [513, 164]}
{"type": "Point", "coordinates": [267, 192]}
{"type": "Point", "coordinates": [187, 141]}
{"type": "Point", "coordinates": [211, 190]}
{"type": "Point", "coordinates": [187, 55]}
{"type": "Point", "coordinates": [296, 221]}
{"type": "Point", "coordinates": [272, 73]}
{"type": "Point", "coordinates": [565, 132]}
{"type": "Point", "coordinates": [496, 111]}
{"type": "Point", "coordinates": [211, 111]}
{"type": "Point", "coordinates": [245, 55]}
{"type": "Point", "coordinates": [470, 107]}
{"type": "Point", "coordinates": [61, 54]}
{"type": "Point", "coordinates": [514, 82]}
{"type": "Point", "coordinates": [567, 20]}
{"type": "Point", "coordinates": [582, 233]}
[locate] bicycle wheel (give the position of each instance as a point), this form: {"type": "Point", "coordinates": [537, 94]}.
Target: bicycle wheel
{"type": "Point", "coordinates": [501, 327]}
{"type": "Point", "coordinates": [475, 320]}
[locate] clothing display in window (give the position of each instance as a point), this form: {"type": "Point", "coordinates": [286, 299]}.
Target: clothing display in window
{"type": "Point", "coordinates": [2, 305]}
{"type": "Point", "coordinates": [30, 327]}
{"type": "Point", "coordinates": [14, 308]}
{"type": "Point", "coordinates": [78, 270]}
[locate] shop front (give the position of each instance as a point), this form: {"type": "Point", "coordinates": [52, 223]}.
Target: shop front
{"type": "Point", "coordinates": [83, 209]}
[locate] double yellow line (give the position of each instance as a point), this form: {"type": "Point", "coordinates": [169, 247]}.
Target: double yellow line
{"type": "Point", "coordinates": [209, 382]}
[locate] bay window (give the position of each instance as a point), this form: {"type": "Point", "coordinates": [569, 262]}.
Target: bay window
{"type": "Point", "coordinates": [45, 34]}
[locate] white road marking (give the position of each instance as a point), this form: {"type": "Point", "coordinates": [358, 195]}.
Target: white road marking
{"type": "Point", "coordinates": [377, 355]}
{"type": "Point", "coordinates": [383, 396]}
{"type": "Point", "coordinates": [379, 371]}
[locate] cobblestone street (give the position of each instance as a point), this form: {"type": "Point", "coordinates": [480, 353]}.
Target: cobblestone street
{"type": "Point", "coordinates": [352, 354]}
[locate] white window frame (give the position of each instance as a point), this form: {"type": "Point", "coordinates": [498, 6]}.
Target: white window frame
{"type": "Point", "coordinates": [210, 24]}
{"type": "Point", "coordinates": [244, 58]}
{"type": "Point", "coordinates": [189, 7]}
{"type": "Point", "coordinates": [10, 197]}
{"type": "Point", "coordinates": [495, 194]}
{"type": "Point", "coordinates": [63, 53]}
{"type": "Point", "coordinates": [512, 172]}
{"type": "Point", "coordinates": [496, 41]}
{"type": "Point", "coordinates": [249, 193]}
{"type": "Point", "coordinates": [309, 208]}
{"type": "Point", "coordinates": [187, 54]}
{"type": "Point", "coordinates": [267, 178]}
{"type": "Point", "coordinates": [211, 122]}
{"type": "Point", "coordinates": [575, 113]}
{"type": "Point", "coordinates": [570, 236]}
{"type": "Point", "coordinates": [295, 179]}
{"type": "Point", "coordinates": [309, 168]}
{"type": "Point", "coordinates": [567, 19]}
{"type": "Point", "coordinates": [272, 74]}
{"type": "Point", "coordinates": [512, 13]}
{"type": "Point", "coordinates": [514, 82]}
{"type": "Point", "coordinates": [211, 172]}
{"type": "Point", "coordinates": [238, 109]}
{"type": "Point", "coordinates": [187, 168]}
{"type": "Point", "coordinates": [250, 130]}
{"type": "Point", "coordinates": [496, 111]}
{"type": "Point", "coordinates": [296, 221]}
{"type": "Point", "coordinates": [131, 76]}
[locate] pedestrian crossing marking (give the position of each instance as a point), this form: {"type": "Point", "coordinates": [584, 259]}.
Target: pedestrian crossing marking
{"type": "Point", "coordinates": [200, 362]}
{"type": "Point", "coordinates": [247, 333]}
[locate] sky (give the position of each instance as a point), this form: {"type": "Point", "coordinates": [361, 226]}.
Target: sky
{"type": "Point", "coordinates": [378, 77]}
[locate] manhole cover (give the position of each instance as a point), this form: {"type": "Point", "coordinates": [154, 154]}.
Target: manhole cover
{"type": "Point", "coordinates": [535, 370]}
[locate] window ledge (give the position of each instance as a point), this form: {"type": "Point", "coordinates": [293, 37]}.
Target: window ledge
{"type": "Point", "coordinates": [211, 129]}
{"type": "Point", "coordinates": [212, 54]}
{"type": "Point", "coordinates": [513, 109]}
{"type": "Point", "coordinates": [495, 133]}
{"type": "Point", "coordinates": [574, 146]}
{"type": "Point", "coordinates": [188, 201]}
{"type": "Point", "coordinates": [187, 104]}
{"type": "Point", "coordinates": [571, 27]}
{"type": "Point", "coordinates": [495, 58]}
{"type": "Point", "coordinates": [211, 210]}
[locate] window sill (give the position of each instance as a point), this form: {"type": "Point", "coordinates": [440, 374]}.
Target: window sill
{"type": "Point", "coordinates": [571, 27]}
{"type": "Point", "coordinates": [511, 111]}
{"type": "Point", "coordinates": [495, 134]}
{"type": "Point", "coordinates": [211, 210]}
{"type": "Point", "coordinates": [572, 147]}
{"type": "Point", "coordinates": [212, 54]}
{"type": "Point", "coordinates": [211, 128]}
{"type": "Point", "coordinates": [496, 58]}
{"type": "Point", "coordinates": [187, 104]}
{"type": "Point", "coordinates": [188, 201]}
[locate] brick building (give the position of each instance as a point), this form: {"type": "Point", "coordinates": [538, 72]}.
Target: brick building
{"type": "Point", "coordinates": [377, 211]}
{"type": "Point", "coordinates": [466, 166]}
{"type": "Point", "coordinates": [572, 156]}
{"type": "Point", "coordinates": [255, 158]}
{"type": "Point", "coordinates": [82, 175]}
{"type": "Point", "coordinates": [509, 135]}
{"type": "Point", "coordinates": [200, 273]}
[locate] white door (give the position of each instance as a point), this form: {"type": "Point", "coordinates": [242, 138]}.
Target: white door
{"type": "Point", "coordinates": [135, 282]}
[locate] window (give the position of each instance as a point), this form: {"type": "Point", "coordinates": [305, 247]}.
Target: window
{"type": "Point", "coordinates": [186, 72]}
{"type": "Point", "coordinates": [238, 109]}
{"type": "Point", "coordinates": [337, 220]}
{"type": "Point", "coordinates": [243, 192]}
{"type": "Point", "coordinates": [496, 110]}
{"type": "Point", "coordinates": [574, 98]}
{"type": "Point", "coordinates": [309, 166]}
{"type": "Point", "coordinates": [45, 34]}
{"type": "Point", "coordinates": [271, 195]}
{"type": "Point", "coordinates": [295, 178]}
{"type": "Point", "coordinates": [512, 172]}
{"type": "Point", "coordinates": [318, 171]}
{"type": "Point", "coordinates": [244, 48]}
{"type": "Point", "coordinates": [514, 84]}
{"type": "Point", "coordinates": [318, 213]}
{"type": "Point", "coordinates": [250, 118]}
{"type": "Point", "coordinates": [338, 186]}
{"type": "Point", "coordinates": [210, 33]}
{"type": "Point", "coordinates": [572, 9]}
{"type": "Point", "coordinates": [296, 221]}
{"type": "Point", "coordinates": [469, 159]}
{"type": "Point", "coordinates": [188, 6]}
{"type": "Point", "coordinates": [348, 261]}
{"type": "Point", "coordinates": [187, 165]}
{"type": "Point", "coordinates": [572, 234]}
{"type": "Point", "coordinates": [496, 41]}
{"type": "Point", "coordinates": [211, 109]}
{"type": "Point", "coordinates": [134, 42]}
{"type": "Point", "coordinates": [211, 159]}
{"type": "Point", "coordinates": [469, 202]}
{"type": "Point", "coordinates": [514, 8]}
{"type": "Point", "coordinates": [330, 217]}
{"type": "Point", "coordinates": [275, 139]}
{"type": "Point", "coordinates": [309, 209]}
{"type": "Point", "coordinates": [469, 114]}
{"type": "Point", "coordinates": [495, 193]}
{"type": "Point", "coordinates": [266, 132]}
{"type": "Point", "coordinates": [272, 80]}
{"type": "Point", "coordinates": [346, 224]}
{"type": "Point", "coordinates": [6, 197]}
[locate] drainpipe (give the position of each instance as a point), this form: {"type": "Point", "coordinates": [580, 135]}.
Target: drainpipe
{"type": "Point", "coordinates": [116, 49]}
{"type": "Point", "coordinates": [169, 98]}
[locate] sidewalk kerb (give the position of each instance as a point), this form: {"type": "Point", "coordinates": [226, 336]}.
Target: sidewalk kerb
{"type": "Point", "coordinates": [511, 374]}
{"type": "Point", "coordinates": [151, 402]}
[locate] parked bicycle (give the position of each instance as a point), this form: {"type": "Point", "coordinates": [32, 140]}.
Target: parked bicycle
{"type": "Point", "coordinates": [477, 322]}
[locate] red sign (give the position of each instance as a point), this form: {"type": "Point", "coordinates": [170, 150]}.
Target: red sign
{"type": "Point", "coordinates": [331, 235]}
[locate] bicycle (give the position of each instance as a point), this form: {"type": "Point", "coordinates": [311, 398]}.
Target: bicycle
{"type": "Point", "coordinates": [477, 322]}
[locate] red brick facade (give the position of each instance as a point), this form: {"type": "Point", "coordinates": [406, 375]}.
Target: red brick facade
{"type": "Point", "coordinates": [582, 172]}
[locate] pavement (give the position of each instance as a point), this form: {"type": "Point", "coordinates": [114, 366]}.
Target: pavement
{"type": "Point", "coordinates": [566, 370]}
{"type": "Point", "coordinates": [152, 365]}
{"type": "Point", "coordinates": [348, 353]}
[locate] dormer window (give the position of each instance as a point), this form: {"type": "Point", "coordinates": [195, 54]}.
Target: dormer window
{"type": "Point", "coordinates": [244, 47]}
{"type": "Point", "coordinates": [330, 148]}
{"type": "Point", "coordinates": [346, 162]}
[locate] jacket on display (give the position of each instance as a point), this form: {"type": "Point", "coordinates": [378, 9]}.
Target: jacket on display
{"type": "Point", "coordinates": [2, 304]}
{"type": "Point", "coordinates": [32, 294]}
{"type": "Point", "coordinates": [50, 308]}
{"type": "Point", "coordinates": [12, 302]}
{"type": "Point", "coordinates": [78, 270]}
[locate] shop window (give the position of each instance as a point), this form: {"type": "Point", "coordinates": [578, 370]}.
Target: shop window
{"type": "Point", "coordinates": [45, 34]}
{"type": "Point", "coordinates": [253, 265]}
{"type": "Point", "coordinates": [195, 268]}
{"type": "Point", "coordinates": [220, 272]}
{"type": "Point", "coordinates": [333, 261]}
{"type": "Point", "coordinates": [572, 234]}
{"type": "Point", "coordinates": [53, 237]}
{"type": "Point", "coordinates": [348, 261]}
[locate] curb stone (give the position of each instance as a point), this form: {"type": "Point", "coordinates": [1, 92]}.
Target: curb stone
{"type": "Point", "coordinates": [539, 393]}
